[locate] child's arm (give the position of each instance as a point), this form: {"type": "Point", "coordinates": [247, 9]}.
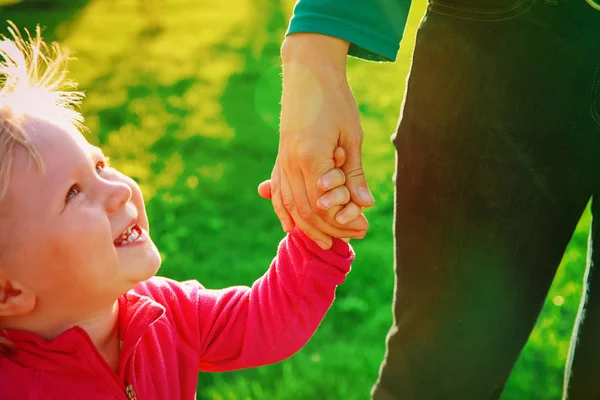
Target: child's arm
{"type": "Point", "coordinates": [242, 327]}
{"type": "Point", "coordinates": [267, 323]}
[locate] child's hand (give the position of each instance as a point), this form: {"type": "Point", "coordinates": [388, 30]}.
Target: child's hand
{"type": "Point", "coordinates": [335, 194]}
{"type": "Point", "coordinates": [334, 198]}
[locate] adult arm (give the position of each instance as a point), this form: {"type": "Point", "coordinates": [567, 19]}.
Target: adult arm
{"type": "Point", "coordinates": [319, 111]}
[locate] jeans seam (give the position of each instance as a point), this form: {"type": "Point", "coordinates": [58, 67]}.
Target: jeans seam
{"type": "Point", "coordinates": [595, 94]}
{"type": "Point", "coordinates": [593, 4]}
{"type": "Point", "coordinates": [478, 11]}
{"type": "Point", "coordinates": [484, 16]}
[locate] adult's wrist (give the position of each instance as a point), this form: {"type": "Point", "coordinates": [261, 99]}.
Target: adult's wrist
{"type": "Point", "coordinates": [323, 53]}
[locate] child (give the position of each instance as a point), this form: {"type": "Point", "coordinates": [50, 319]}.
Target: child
{"type": "Point", "coordinates": [81, 312]}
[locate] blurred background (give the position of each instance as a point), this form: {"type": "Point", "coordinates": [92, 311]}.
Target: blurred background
{"type": "Point", "coordinates": [184, 97]}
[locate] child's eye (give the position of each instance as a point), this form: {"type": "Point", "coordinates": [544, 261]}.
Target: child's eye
{"type": "Point", "coordinates": [73, 191]}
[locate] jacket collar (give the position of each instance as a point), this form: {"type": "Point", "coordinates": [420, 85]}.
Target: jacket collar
{"type": "Point", "coordinates": [136, 314]}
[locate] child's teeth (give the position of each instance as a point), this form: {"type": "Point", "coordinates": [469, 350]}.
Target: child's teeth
{"type": "Point", "coordinates": [129, 237]}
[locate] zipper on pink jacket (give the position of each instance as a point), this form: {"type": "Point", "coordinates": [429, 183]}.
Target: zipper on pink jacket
{"type": "Point", "coordinates": [130, 392]}
{"type": "Point", "coordinates": [99, 358]}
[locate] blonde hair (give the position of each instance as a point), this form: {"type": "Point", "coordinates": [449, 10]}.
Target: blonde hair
{"type": "Point", "coordinates": [33, 81]}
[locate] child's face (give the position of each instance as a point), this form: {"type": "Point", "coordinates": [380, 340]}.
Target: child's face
{"type": "Point", "coordinates": [63, 224]}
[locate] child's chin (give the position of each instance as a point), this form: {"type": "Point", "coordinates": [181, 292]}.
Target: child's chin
{"type": "Point", "coordinates": [145, 266]}
{"type": "Point", "coordinates": [153, 264]}
{"type": "Point", "coordinates": [156, 261]}
{"type": "Point", "coordinates": [143, 276]}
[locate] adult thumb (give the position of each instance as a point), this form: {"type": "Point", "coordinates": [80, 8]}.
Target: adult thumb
{"type": "Point", "coordinates": [355, 176]}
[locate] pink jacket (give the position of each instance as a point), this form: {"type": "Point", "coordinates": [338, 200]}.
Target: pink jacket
{"type": "Point", "coordinates": [170, 330]}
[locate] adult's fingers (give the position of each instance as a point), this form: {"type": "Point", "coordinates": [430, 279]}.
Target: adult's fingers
{"type": "Point", "coordinates": [351, 140]}
{"type": "Point", "coordinates": [358, 222]}
{"type": "Point", "coordinates": [321, 231]}
{"type": "Point", "coordinates": [303, 170]}
{"type": "Point", "coordinates": [353, 169]}
{"type": "Point", "coordinates": [322, 239]}
{"type": "Point", "coordinates": [287, 222]}
{"type": "Point", "coordinates": [297, 204]}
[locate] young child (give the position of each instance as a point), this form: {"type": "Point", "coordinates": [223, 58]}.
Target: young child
{"type": "Point", "coordinates": [81, 313]}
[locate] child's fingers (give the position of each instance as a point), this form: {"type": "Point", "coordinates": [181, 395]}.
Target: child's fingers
{"type": "Point", "coordinates": [264, 189]}
{"type": "Point", "coordinates": [331, 180]}
{"type": "Point", "coordinates": [350, 212]}
{"type": "Point", "coordinates": [335, 177]}
{"type": "Point", "coordinates": [339, 157]}
{"type": "Point", "coordinates": [359, 223]}
{"type": "Point", "coordinates": [335, 197]}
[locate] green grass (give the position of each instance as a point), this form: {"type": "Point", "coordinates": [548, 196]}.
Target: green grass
{"type": "Point", "coordinates": [183, 96]}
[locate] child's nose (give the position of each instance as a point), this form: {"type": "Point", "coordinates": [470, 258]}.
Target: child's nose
{"type": "Point", "coordinates": [119, 194]}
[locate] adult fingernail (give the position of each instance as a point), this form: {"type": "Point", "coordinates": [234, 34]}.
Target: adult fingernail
{"type": "Point", "coordinates": [325, 182]}
{"type": "Point", "coordinates": [341, 218]}
{"type": "Point", "coordinates": [365, 195]}
{"type": "Point", "coordinates": [324, 203]}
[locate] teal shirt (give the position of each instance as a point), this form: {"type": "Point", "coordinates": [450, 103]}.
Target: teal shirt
{"type": "Point", "coordinates": [374, 28]}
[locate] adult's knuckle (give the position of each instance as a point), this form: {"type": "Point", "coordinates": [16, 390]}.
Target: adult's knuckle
{"type": "Point", "coordinates": [315, 209]}
{"type": "Point", "coordinates": [330, 216]}
{"type": "Point", "coordinates": [275, 189]}
{"type": "Point", "coordinates": [303, 155]}
{"type": "Point", "coordinates": [355, 172]}
{"type": "Point", "coordinates": [306, 212]}
{"type": "Point", "coordinates": [278, 208]}
{"type": "Point", "coordinates": [354, 137]}
{"type": "Point", "coordinates": [288, 204]}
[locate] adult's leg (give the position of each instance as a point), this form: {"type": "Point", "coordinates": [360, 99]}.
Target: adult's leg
{"type": "Point", "coordinates": [582, 372]}
{"type": "Point", "coordinates": [493, 172]}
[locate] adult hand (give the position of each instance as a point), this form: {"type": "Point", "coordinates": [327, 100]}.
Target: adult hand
{"type": "Point", "coordinates": [319, 113]}
{"type": "Point", "coordinates": [336, 196]}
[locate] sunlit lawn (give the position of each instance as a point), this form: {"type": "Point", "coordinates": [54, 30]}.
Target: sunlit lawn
{"type": "Point", "coordinates": [183, 96]}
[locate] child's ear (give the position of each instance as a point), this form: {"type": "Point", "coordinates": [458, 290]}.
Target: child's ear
{"type": "Point", "coordinates": [15, 299]}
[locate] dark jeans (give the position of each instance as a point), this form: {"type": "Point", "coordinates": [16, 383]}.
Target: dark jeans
{"type": "Point", "coordinates": [498, 154]}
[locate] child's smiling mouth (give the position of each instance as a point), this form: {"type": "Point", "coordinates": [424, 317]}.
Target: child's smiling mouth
{"type": "Point", "coordinates": [129, 236]}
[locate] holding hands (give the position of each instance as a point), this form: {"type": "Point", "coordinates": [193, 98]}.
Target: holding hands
{"type": "Point", "coordinates": [335, 194]}
{"type": "Point", "coordinates": [318, 182]}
